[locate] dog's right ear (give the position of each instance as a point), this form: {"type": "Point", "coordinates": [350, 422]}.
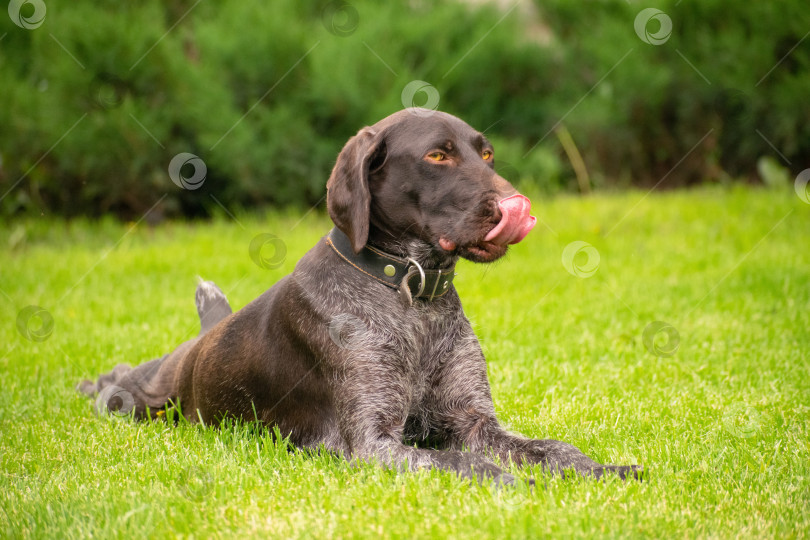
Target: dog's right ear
{"type": "Point", "coordinates": [348, 197]}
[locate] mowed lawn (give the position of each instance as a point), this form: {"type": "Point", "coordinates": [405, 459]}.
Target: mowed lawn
{"type": "Point", "coordinates": [675, 334]}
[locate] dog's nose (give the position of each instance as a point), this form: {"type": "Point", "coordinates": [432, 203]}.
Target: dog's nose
{"type": "Point", "coordinates": [515, 221]}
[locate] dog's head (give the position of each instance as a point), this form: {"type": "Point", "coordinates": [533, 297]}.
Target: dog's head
{"type": "Point", "coordinates": [426, 180]}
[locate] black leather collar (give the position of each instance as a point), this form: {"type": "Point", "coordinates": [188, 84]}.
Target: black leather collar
{"type": "Point", "coordinates": [392, 270]}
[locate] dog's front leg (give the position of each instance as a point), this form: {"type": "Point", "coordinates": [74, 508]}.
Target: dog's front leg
{"type": "Point", "coordinates": [373, 401]}
{"type": "Point", "coordinates": [555, 456]}
{"type": "Point", "coordinates": [465, 416]}
{"type": "Point", "coordinates": [477, 428]}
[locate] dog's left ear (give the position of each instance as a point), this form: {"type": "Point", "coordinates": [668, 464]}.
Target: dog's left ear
{"type": "Point", "coordinates": [348, 197]}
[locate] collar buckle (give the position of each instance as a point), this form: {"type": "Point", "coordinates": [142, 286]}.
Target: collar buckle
{"type": "Point", "coordinates": [421, 277]}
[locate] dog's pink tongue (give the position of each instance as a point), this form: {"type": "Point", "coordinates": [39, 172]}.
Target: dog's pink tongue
{"type": "Point", "coordinates": [515, 222]}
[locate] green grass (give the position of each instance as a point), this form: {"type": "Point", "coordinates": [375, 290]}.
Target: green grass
{"type": "Point", "coordinates": [722, 425]}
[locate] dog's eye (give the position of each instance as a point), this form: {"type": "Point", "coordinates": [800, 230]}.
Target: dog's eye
{"type": "Point", "coordinates": [486, 154]}
{"type": "Point", "coordinates": [436, 156]}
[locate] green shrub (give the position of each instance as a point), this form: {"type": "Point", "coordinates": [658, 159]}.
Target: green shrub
{"type": "Point", "coordinates": [100, 98]}
{"type": "Point", "coordinates": [655, 116]}
{"type": "Point", "coordinates": [265, 95]}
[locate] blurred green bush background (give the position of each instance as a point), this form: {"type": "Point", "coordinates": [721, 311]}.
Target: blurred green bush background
{"type": "Point", "coordinates": [98, 99]}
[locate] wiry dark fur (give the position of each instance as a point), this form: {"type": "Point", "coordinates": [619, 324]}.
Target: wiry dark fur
{"type": "Point", "coordinates": [400, 373]}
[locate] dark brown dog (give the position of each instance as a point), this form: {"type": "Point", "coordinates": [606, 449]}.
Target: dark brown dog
{"type": "Point", "coordinates": [364, 348]}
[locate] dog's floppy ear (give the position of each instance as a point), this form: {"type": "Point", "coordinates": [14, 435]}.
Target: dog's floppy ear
{"type": "Point", "coordinates": [348, 197]}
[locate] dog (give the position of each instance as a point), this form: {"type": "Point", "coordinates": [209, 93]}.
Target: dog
{"type": "Point", "coordinates": [364, 349]}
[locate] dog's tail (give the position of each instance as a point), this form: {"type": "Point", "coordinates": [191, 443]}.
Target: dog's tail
{"type": "Point", "coordinates": [212, 306]}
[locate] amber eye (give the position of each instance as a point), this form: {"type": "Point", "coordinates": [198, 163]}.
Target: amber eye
{"type": "Point", "coordinates": [436, 156]}
{"type": "Point", "coordinates": [486, 154]}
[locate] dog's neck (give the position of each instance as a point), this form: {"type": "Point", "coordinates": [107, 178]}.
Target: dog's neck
{"type": "Point", "coordinates": [405, 274]}
{"type": "Point", "coordinates": [405, 246]}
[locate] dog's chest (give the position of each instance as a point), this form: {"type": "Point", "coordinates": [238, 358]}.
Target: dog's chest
{"type": "Point", "coordinates": [429, 337]}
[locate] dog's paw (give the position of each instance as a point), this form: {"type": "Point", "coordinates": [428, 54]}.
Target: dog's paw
{"type": "Point", "coordinates": [634, 471]}
{"type": "Point", "coordinates": [504, 479]}
{"type": "Point", "coordinates": [623, 471]}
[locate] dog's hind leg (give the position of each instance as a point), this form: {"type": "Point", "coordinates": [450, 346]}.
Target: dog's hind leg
{"type": "Point", "coordinates": [128, 390]}
{"type": "Point", "coordinates": [212, 306]}
{"type": "Point", "coordinates": [143, 390]}
{"type": "Point", "coordinates": [151, 386]}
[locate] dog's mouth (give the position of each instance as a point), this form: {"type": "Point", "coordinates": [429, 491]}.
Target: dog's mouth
{"type": "Point", "coordinates": [483, 252]}
{"type": "Point", "coordinates": [512, 226]}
